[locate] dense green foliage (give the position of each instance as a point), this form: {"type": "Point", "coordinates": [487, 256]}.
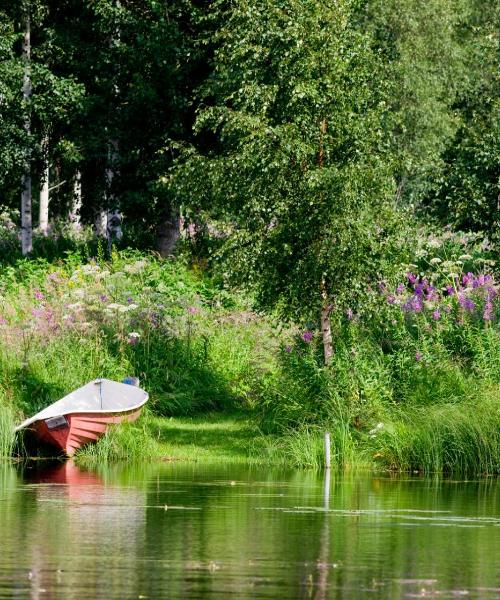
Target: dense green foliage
{"type": "Point", "coordinates": [335, 165]}
{"type": "Point", "coordinates": [198, 349]}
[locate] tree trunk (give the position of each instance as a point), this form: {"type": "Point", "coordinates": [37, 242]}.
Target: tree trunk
{"type": "Point", "coordinates": [169, 232]}
{"type": "Point", "coordinates": [76, 205]}
{"type": "Point", "coordinates": [326, 326]}
{"type": "Point", "coordinates": [26, 216]}
{"type": "Point", "coordinates": [101, 223]}
{"type": "Point", "coordinates": [114, 216]}
{"type": "Point", "coordinates": [43, 215]}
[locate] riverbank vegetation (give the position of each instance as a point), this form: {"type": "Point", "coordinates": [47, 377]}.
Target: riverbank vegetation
{"type": "Point", "coordinates": [284, 212]}
{"type": "Point", "coordinates": [413, 382]}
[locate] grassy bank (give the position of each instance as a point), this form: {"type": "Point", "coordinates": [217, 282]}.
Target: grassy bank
{"type": "Point", "coordinates": [411, 386]}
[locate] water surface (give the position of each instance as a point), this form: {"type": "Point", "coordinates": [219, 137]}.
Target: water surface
{"type": "Point", "coordinates": [190, 531]}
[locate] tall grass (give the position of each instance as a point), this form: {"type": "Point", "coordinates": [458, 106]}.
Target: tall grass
{"type": "Point", "coordinates": [7, 436]}
{"type": "Point", "coordinates": [459, 438]}
{"type": "Point", "coordinates": [131, 442]}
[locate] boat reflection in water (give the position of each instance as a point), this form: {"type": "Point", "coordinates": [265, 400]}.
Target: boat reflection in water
{"type": "Point", "coordinates": [76, 513]}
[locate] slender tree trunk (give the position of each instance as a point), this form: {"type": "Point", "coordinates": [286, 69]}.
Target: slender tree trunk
{"type": "Point", "coordinates": [43, 215]}
{"type": "Point", "coordinates": [169, 232]}
{"type": "Point", "coordinates": [26, 200]}
{"type": "Point", "coordinates": [114, 216]}
{"type": "Point", "coordinates": [76, 205]}
{"type": "Point", "coordinates": [101, 223]}
{"type": "Point", "coordinates": [326, 326]}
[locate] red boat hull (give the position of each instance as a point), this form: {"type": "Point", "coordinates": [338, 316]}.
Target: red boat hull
{"type": "Point", "coordinates": [79, 429]}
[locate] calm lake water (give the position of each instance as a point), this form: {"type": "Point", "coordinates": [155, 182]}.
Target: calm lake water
{"type": "Point", "coordinates": [191, 531]}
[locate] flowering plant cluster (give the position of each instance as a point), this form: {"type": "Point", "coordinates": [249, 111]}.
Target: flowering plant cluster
{"type": "Point", "coordinates": [467, 295]}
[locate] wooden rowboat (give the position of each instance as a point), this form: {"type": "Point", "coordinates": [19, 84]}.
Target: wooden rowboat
{"type": "Point", "coordinates": [84, 415]}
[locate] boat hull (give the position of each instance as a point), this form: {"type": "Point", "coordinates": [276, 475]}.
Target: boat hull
{"type": "Point", "coordinates": [74, 430]}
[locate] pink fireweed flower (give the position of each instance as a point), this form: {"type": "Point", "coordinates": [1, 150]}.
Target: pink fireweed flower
{"type": "Point", "coordinates": [436, 315]}
{"type": "Point", "coordinates": [39, 295]}
{"type": "Point", "coordinates": [37, 312]}
{"type": "Point", "coordinates": [488, 311]}
{"type": "Point", "coordinates": [192, 310]}
{"type": "Point", "coordinates": [411, 278]}
{"type": "Point", "coordinates": [307, 336]}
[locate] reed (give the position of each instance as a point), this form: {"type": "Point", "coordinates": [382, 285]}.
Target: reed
{"type": "Point", "coordinates": [462, 438]}
{"type": "Point", "coordinates": [7, 436]}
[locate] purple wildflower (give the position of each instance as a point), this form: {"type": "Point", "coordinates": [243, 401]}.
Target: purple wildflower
{"type": "Point", "coordinates": [418, 356]}
{"type": "Point", "coordinates": [401, 288]}
{"type": "Point", "coordinates": [3, 321]}
{"type": "Point", "coordinates": [478, 282]}
{"type": "Point", "coordinates": [381, 286]}
{"type": "Point", "coordinates": [130, 300]}
{"type": "Point", "coordinates": [103, 298]}
{"type": "Point", "coordinates": [350, 314]}
{"type": "Point", "coordinates": [38, 295]}
{"type": "Point", "coordinates": [488, 311]}
{"type": "Point", "coordinates": [419, 289]}
{"type": "Point", "coordinates": [391, 299]}
{"type": "Point", "coordinates": [436, 315]}
{"type": "Point", "coordinates": [450, 290]}
{"type": "Point", "coordinates": [467, 278]}
{"type": "Point", "coordinates": [469, 304]}
{"type": "Point", "coordinates": [411, 278]}
{"type": "Point", "coordinates": [192, 310]}
{"type": "Point", "coordinates": [416, 304]}
{"type": "Point", "coordinates": [37, 312]}
{"type": "Point", "coordinates": [288, 349]}
{"type": "Point", "coordinates": [307, 336]}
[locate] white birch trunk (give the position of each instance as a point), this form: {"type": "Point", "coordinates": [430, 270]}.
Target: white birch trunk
{"type": "Point", "coordinates": [326, 326]}
{"type": "Point", "coordinates": [101, 223]}
{"type": "Point", "coordinates": [114, 216]}
{"type": "Point", "coordinates": [43, 214]}
{"type": "Point", "coordinates": [26, 199]}
{"type": "Point", "coordinates": [76, 205]}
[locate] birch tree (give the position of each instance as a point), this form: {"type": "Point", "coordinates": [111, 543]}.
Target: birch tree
{"type": "Point", "coordinates": [296, 170]}
{"type": "Point", "coordinates": [26, 199]}
{"type": "Point", "coordinates": [43, 215]}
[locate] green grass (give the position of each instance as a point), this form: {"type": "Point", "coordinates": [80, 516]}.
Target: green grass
{"type": "Point", "coordinates": [461, 438]}
{"type": "Point", "coordinates": [7, 437]}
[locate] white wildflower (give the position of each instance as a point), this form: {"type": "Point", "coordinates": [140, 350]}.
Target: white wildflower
{"type": "Point", "coordinates": [435, 260]}
{"type": "Point", "coordinates": [76, 306]}
{"type": "Point", "coordinates": [465, 257]}
{"type": "Point", "coordinates": [134, 334]}
{"type": "Point", "coordinates": [434, 243]}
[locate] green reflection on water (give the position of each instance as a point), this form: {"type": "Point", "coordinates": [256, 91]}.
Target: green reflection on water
{"type": "Point", "coordinates": [187, 531]}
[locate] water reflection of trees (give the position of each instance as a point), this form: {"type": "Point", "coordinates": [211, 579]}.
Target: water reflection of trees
{"type": "Point", "coordinates": [196, 532]}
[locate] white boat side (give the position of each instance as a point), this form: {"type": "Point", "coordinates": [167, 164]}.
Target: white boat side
{"type": "Point", "coordinates": [98, 396]}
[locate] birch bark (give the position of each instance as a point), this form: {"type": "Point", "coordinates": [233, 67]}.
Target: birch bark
{"type": "Point", "coordinates": [26, 199]}
{"type": "Point", "coordinates": [76, 205]}
{"type": "Point", "coordinates": [43, 214]}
